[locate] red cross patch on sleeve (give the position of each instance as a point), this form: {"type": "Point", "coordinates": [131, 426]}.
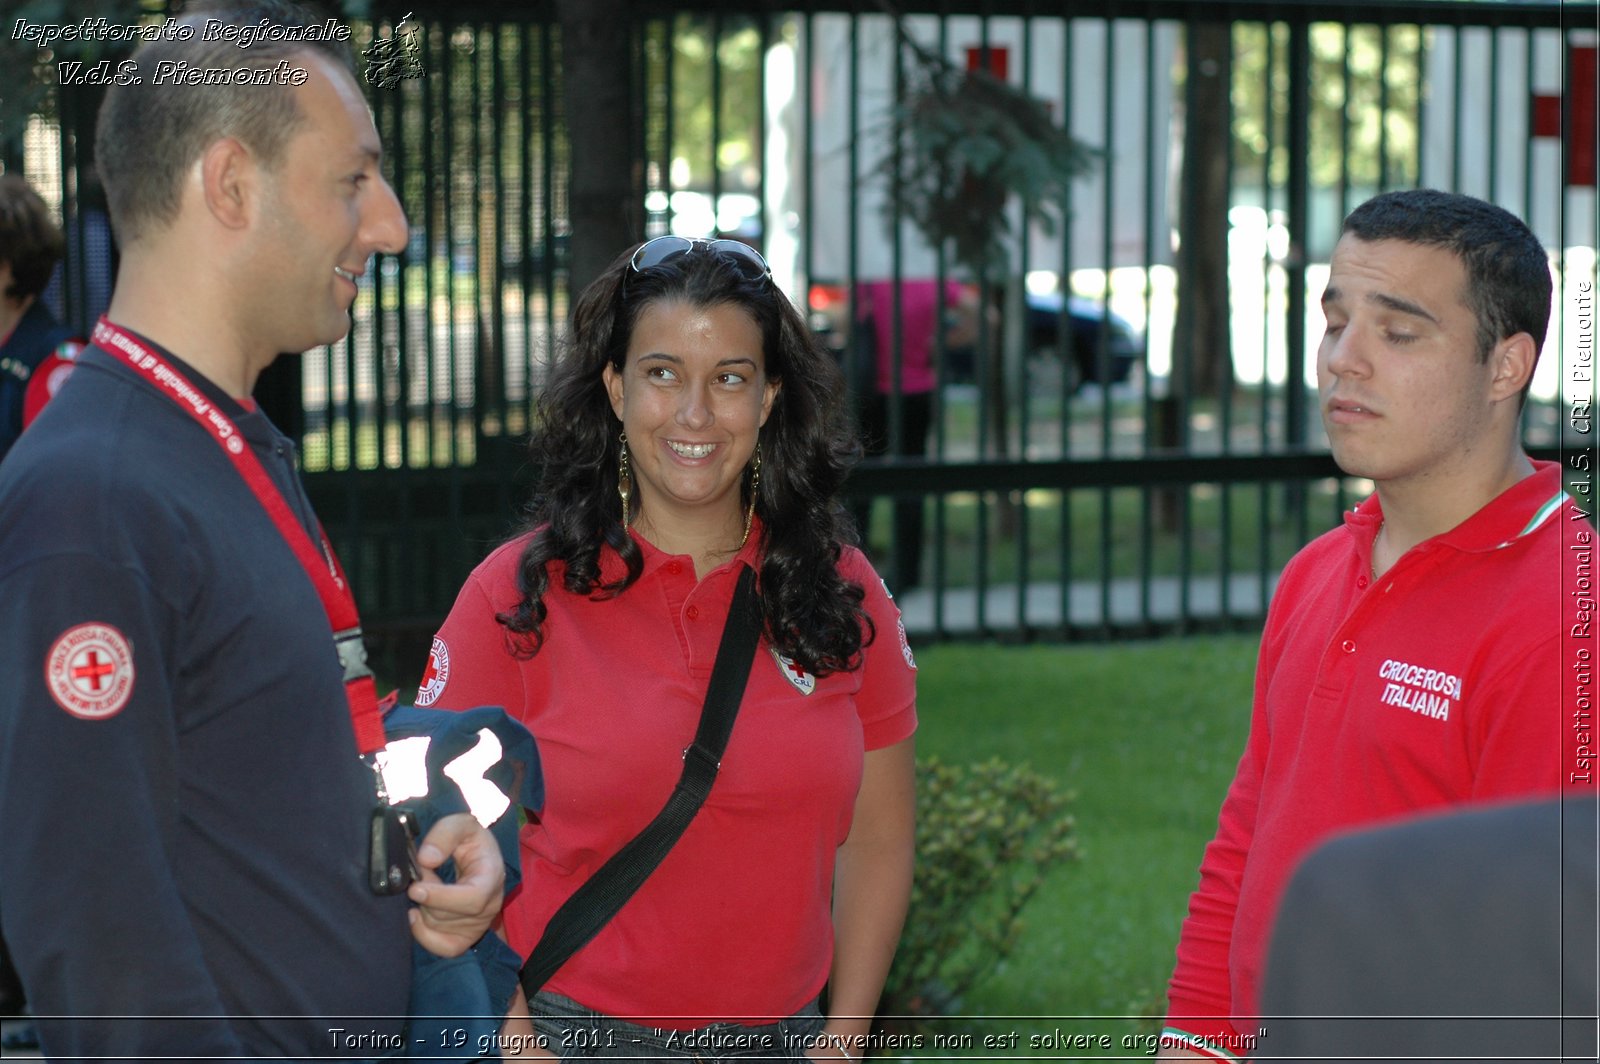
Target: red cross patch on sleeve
{"type": "Point", "coordinates": [437, 674]}
{"type": "Point", "coordinates": [47, 379]}
{"type": "Point", "coordinates": [89, 671]}
{"type": "Point", "coordinates": [905, 644]}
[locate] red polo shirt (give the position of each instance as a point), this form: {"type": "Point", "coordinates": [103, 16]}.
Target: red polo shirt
{"type": "Point", "coordinates": [735, 923]}
{"type": "Point", "coordinates": [1438, 684]}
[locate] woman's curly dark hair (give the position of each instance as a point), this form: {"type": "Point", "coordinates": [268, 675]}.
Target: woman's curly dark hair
{"type": "Point", "coordinates": [811, 613]}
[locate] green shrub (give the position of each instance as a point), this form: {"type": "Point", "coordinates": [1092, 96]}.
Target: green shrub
{"type": "Point", "coordinates": [987, 834]}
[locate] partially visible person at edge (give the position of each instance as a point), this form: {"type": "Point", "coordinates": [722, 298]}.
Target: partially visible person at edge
{"type": "Point", "coordinates": [36, 351]}
{"type": "Point", "coordinates": [691, 428]}
{"type": "Point", "coordinates": [30, 246]}
{"type": "Point", "coordinates": [1463, 935]}
{"type": "Point", "coordinates": [1411, 658]}
{"type": "Point", "coordinates": [185, 858]}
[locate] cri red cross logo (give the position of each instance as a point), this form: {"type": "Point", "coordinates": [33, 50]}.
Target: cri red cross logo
{"type": "Point", "coordinates": [93, 669]}
{"type": "Point", "coordinates": [803, 681]}
{"type": "Point", "coordinates": [437, 675]}
{"type": "Point", "coordinates": [89, 671]}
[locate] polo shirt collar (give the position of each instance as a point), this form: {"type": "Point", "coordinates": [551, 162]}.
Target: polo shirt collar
{"type": "Point", "coordinates": [1518, 511]}
{"type": "Point", "coordinates": [245, 417]}
{"type": "Point", "coordinates": [611, 567]}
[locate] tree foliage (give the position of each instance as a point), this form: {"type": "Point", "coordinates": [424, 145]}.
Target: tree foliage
{"type": "Point", "coordinates": [962, 143]}
{"type": "Point", "coordinates": [728, 50]}
{"type": "Point", "coordinates": [1364, 122]}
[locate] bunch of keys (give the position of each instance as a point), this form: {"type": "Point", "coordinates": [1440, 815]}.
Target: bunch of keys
{"type": "Point", "coordinates": [392, 862]}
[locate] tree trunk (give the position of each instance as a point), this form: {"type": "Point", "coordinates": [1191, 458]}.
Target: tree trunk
{"type": "Point", "coordinates": [1201, 363]}
{"type": "Point", "coordinates": [604, 200]}
{"type": "Point", "coordinates": [1202, 325]}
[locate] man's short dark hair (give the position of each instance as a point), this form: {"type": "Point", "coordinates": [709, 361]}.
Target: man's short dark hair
{"type": "Point", "coordinates": [149, 135]}
{"type": "Point", "coordinates": [30, 240]}
{"type": "Point", "coordinates": [1508, 272]}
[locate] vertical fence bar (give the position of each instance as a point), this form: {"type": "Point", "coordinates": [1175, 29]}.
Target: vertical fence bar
{"type": "Point", "coordinates": [1150, 497]}
{"type": "Point", "coordinates": [446, 116]}
{"type": "Point", "coordinates": [716, 123]}
{"type": "Point", "coordinates": [1346, 112]}
{"type": "Point", "coordinates": [553, 104]}
{"type": "Point", "coordinates": [668, 135]}
{"type": "Point", "coordinates": [403, 544]}
{"type": "Point", "coordinates": [436, 41]}
{"type": "Point", "coordinates": [940, 513]}
{"type": "Point", "coordinates": [1270, 32]}
{"type": "Point", "coordinates": [853, 351]}
{"type": "Point", "coordinates": [1419, 115]}
{"type": "Point", "coordinates": [1063, 328]}
{"type": "Point", "coordinates": [894, 420]}
{"type": "Point", "coordinates": [1493, 138]}
{"type": "Point", "coordinates": [764, 42]}
{"type": "Point", "coordinates": [527, 114]}
{"type": "Point", "coordinates": [988, 381]}
{"type": "Point", "coordinates": [808, 152]}
{"type": "Point", "coordinates": [486, 277]}
{"type": "Point", "coordinates": [1108, 212]}
{"type": "Point", "coordinates": [1023, 392]}
{"type": "Point", "coordinates": [1299, 227]}
{"type": "Point", "coordinates": [1384, 33]}
{"type": "Point", "coordinates": [1185, 500]}
{"type": "Point", "coordinates": [1458, 112]}
{"type": "Point", "coordinates": [375, 361]}
{"type": "Point", "coordinates": [1229, 378]}
{"type": "Point", "coordinates": [1527, 142]}
{"type": "Point", "coordinates": [653, 39]}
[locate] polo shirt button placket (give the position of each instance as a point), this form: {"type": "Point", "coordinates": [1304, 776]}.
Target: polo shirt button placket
{"type": "Point", "coordinates": [1348, 646]}
{"type": "Point", "coordinates": [693, 613]}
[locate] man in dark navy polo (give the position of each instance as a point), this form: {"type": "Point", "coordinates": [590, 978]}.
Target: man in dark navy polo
{"type": "Point", "coordinates": [185, 862]}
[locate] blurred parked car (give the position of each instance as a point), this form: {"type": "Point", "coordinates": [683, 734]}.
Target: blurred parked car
{"type": "Point", "coordinates": [1087, 322]}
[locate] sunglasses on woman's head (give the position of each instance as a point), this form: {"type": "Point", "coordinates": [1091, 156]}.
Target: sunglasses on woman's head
{"type": "Point", "coordinates": [745, 260]}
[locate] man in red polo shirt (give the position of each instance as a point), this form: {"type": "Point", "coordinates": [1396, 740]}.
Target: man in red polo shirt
{"type": "Point", "coordinates": [1411, 658]}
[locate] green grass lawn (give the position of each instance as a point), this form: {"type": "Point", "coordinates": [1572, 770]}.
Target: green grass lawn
{"type": "Point", "coordinates": [1147, 735]}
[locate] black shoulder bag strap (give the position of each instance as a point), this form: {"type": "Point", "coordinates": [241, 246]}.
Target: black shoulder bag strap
{"type": "Point", "coordinates": [582, 916]}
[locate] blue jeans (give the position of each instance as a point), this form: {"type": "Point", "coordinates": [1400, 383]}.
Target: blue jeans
{"type": "Point", "coordinates": [573, 1032]}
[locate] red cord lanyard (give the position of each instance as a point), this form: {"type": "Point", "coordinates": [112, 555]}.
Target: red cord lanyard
{"type": "Point", "coordinates": [321, 566]}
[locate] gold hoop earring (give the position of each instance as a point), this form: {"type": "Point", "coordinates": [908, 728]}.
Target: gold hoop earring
{"type": "Point", "coordinates": [755, 486]}
{"type": "Point", "coordinates": [624, 479]}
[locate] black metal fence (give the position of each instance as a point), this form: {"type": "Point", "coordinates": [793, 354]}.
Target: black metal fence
{"type": "Point", "coordinates": [1099, 461]}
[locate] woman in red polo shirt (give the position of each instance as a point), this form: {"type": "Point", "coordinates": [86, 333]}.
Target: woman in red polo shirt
{"type": "Point", "coordinates": [691, 427]}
